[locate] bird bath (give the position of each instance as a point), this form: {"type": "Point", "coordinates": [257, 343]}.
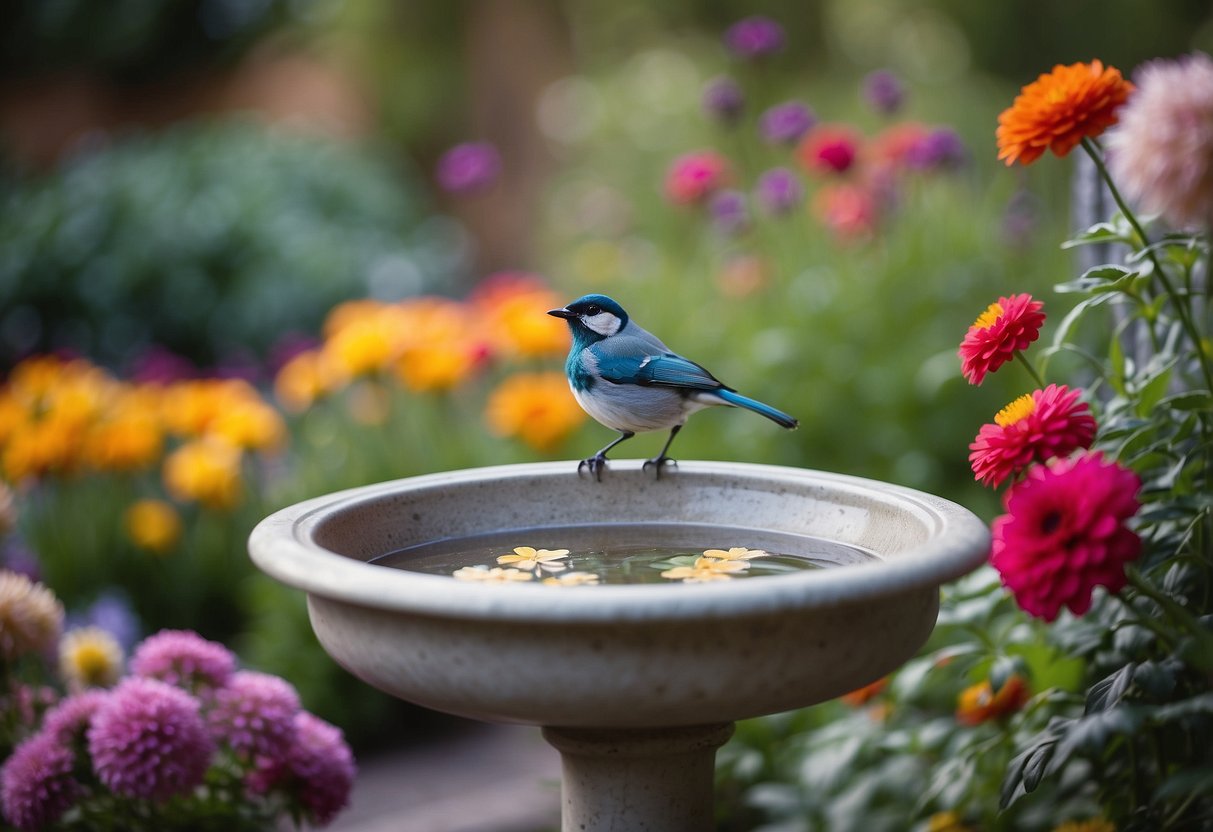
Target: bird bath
{"type": "Point", "coordinates": [635, 685]}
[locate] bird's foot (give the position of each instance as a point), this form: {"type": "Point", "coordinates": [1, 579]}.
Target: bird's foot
{"type": "Point", "coordinates": [657, 463]}
{"type": "Point", "coordinates": [595, 464]}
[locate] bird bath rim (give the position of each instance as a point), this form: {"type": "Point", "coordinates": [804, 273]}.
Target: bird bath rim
{"type": "Point", "coordinates": [285, 545]}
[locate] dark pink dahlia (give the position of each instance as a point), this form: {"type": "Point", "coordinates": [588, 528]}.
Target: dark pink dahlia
{"type": "Point", "coordinates": [36, 783]}
{"type": "Point", "coordinates": [185, 659]}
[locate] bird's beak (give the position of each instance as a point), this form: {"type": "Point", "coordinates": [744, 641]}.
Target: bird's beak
{"type": "Point", "coordinates": [562, 313]}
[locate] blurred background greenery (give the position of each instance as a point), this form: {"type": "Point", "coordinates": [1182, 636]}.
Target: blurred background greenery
{"type": "Point", "coordinates": [191, 189]}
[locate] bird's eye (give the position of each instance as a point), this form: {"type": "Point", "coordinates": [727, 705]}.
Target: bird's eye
{"type": "Point", "coordinates": [592, 310]}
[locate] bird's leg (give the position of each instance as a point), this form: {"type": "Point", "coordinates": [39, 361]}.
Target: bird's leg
{"type": "Point", "coordinates": [661, 459]}
{"type": "Point", "coordinates": [597, 463]}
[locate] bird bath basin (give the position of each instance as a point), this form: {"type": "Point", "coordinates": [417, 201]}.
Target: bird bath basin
{"type": "Point", "coordinates": [635, 685]}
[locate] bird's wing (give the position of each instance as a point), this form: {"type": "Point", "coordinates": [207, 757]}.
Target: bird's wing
{"type": "Point", "coordinates": [651, 369]}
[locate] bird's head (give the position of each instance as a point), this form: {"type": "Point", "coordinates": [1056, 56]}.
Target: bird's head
{"type": "Point", "coordinates": [593, 316]}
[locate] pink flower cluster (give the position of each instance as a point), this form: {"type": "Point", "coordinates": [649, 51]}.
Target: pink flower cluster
{"type": "Point", "coordinates": [157, 734]}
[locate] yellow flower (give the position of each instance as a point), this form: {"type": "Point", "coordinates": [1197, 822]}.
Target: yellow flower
{"type": "Point", "coordinates": [1092, 825]}
{"type": "Point", "coordinates": [31, 617]}
{"type": "Point", "coordinates": [153, 525]}
{"type": "Point", "coordinates": [512, 306]}
{"type": "Point", "coordinates": [525, 557]}
{"type": "Point", "coordinates": [89, 657]}
{"type": "Point", "coordinates": [205, 470]}
{"type": "Point", "coordinates": [947, 822]}
{"type": "Point", "coordinates": [496, 575]}
{"type": "Point", "coordinates": [308, 376]}
{"type": "Point", "coordinates": [250, 423]}
{"type": "Point", "coordinates": [572, 579]}
{"type": "Point", "coordinates": [130, 435]}
{"type": "Point", "coordinates": [735, 553]}
{"type": "Point", "coordinates": [706, 569]}
{"type": "Point", "coordinates": [537, 408]}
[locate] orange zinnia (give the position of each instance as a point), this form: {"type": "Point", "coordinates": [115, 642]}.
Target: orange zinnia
{"type": "Point", "coordinates": [1059, 109]}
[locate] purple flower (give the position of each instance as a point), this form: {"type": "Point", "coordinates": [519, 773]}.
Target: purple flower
{"type": "Point", "coordinates": [754, 37]}
{"type": "Point", "coordinates": [468, 167]}
{"type": "Point", "coordinates": [318, 769]}
{"type": "Point", "coordinates": [148, 740]}
{"type": "Point", "coordinates": [68, 720]}
{"type": "Point", "coordinates": [36, 784]}
{"type": "Point", "coordinates": [779, 191]}
{"type": "Point", "coordinates": [941, 148]}
{"type": "Point", "coordinates": [729, 212]}
{"type": "Point", "coordinates": [112, 612]}
{"type": "Point", "coordinates": [723, 100]}
{"type": "Point", "coordinates": [185, 659]}
{"type": "Point", "coordinates": [786, 123]}
{"type": "Point", "coordinates": [884, 91]}
{"type": "Point", "coordinates": [254, 714]}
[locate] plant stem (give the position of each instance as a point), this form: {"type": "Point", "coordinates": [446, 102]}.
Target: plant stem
{"type": "Point", "coordinates": [1031, 370]}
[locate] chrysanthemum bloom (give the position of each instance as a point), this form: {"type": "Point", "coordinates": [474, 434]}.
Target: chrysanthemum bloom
{"type": "Point", "coordinates": [1059, 109]}
{"type": "Point", "coordinates": [786, 123]}
{"type": "Point", "coordinates": [723, 100]}
{"type": "Point", "coordinates": [206, 471]}
{"type": "Point", "coordinates": [884, 91]}
{"type": "Point", "coordinates": [537, 408]}
{"type": "Point", "coordinates": [31, 617]}
{"type": "Point", "coordinates": [729, 212]}
{"type": "Point", "coordinates": [89, 657]}
{"type": "Point", "coordinates": [693, 177]}
{"type": "Point", "coordinates": [185, 659]}
{"type": "Point", "coordinates": [849, 211]}
{"type": "Point", "coordinates": [69, 720]}
{"type": "Point", "coordinates": [1036, 427]}
{"type": "Point", "coordinates": [468, 168]}
{"type": "Point", "coordinates": [254, 715]}
{"type": "Point", "coordinates": [830, 148]}
{"type": "Point", "coordinates": [148, 740]}
{"type": "Point", "coordinates": [36, 784]}
{"type": "Point", "coordinates": [754, 37]}
{"type": "Point", "coordinates": [779, 191]}
{"type": "Point", "coordinates": [318, 770]}
{"type": "Point", "coordinates": [981, 703]}
{"type": "Point", "coordinates": [1161, 153]}
{"type": "Point", "coordinates": [153, 525]}
{"type": "Point", "coordinates": [1007, 326]}
{"type": "Point", "coordinates": [1064, 534]}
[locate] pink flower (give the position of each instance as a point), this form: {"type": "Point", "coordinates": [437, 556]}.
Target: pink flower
{"type": "Point", "coordinates": [254, 714]}
{"type": "Point", "coordinates": [185, 659]}
{"type": "Point", "coordinates": [693, 177]}
{"type": "Point", "coordinates": [849, 211]}
{"type": "Point", "coordinates": [148, 740]}
{"type": "Point", "coordinates": [1064, 533]}
{"type": "Point", "coordinates": [68, 720]}
{"type": "Point", "coordinates": [1161, 153]}
{"type": "Point", "coordinates": [1007, 326]}
{"type": "Point", "coordinates": [830, 148]}
{"type": "Point", "coordinates": [318, 769]}
{"type": "Point", "coordinates": [36, 784]}
{"type": "Point", "coordinates": [1036, 427]}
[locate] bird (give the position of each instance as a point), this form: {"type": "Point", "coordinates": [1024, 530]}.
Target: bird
{"type": "Point", "coordinates": [629, 381]}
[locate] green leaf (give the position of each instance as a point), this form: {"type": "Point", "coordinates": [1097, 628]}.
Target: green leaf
{"type": "Point", "coordinates": [1200, 400]}
{"type": "Point", "coordinates": [1092, 734]}
{"type": "Point", "coordinates": [1192, 781]}
{"type": "Point", "coordinates": [1103, 232]}
{"type": "Point", "coordinates": [1034, 760]}
{"type": "Point", "coordinates": [1100, 279]}
{"type": "Point", "coordinates": [1107, 692]}
{"type": "Point", "coordinates": [1156, 679]}
{"type": "Point", "coordinates": [1201, 705]}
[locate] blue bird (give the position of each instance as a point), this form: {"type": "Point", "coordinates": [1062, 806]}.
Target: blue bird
{"type": "Point", "coordinates": [628, 380]}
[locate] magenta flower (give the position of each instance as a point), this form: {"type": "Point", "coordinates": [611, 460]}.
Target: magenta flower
{"type": "Point", "coordinates": [693, 177]}
{"type": "Point", "coordinates": [36, 783]}
{"type": "Point", "coordinates": [723, 100]}
{"type": "Point", "coordinates": [1036, 427]}
{"type": "Point", "coordinates": [148, 740]}
{"type": "Point", "coordinates": [68, 721]}
{"type": "Point", "coordinates": [185, 659]}
{"type": "Point", "coordinates": [779, 191]}
{"type": "Point", "coordinates": [318, 769]}
{"type": "Point", "coordinates": [468, 168]}
{"type": "Point", "coordinates": [754, 37]}
{"type": "Point", "coordinates": [254, 714]}
{"type": "Point", "coordinates": [786, 123]}
{"type": "Point", "coordinates": [940, 148]}
{"type": "Point", "coordinates": [831, 148]}
{"type": "Point", "coordinates": [884, 91]}
{"type": "Point", "coordinates": [1064, 534]}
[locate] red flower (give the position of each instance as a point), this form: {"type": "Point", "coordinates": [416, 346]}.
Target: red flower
{"type": "Point", "coordinates": [849, 211]}
{"type": "Point", "coordinates": [1036, 427]}
{"type": "Point", "coordinates": [1005, 327]}
{"type": "Point", "coordinates": [693, 177]}
{"type": "Point", "coordinates": [981, 703]}
{"type": "Point", "coordinates": [830, 148]}
{"type": "Point", "coordinates": [1064, 534]}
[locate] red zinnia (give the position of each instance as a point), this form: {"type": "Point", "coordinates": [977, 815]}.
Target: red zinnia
{"type": "Point", "coordinates": [1064, 534]}
{"type": "Point", "coordinates": [693, 177]}
{"type": "Point", "coordinates": [830, 148]}
{"type": "Point", "coordinates": [1036, 427]}
{"type": "Point", "coordinates": [1005, 327]}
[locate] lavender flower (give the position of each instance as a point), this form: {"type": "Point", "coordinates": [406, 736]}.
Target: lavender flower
{"type": "Point", "coordinates": [185, 659]}
{"type": "Point", "coordinates": [723, 100]}
{"type": "Point", "coordinates": [112, 612]}
{"type": "Point", "coordinates": [786, 123]}
{"type": "Point", "coordinates": [148, 740]}
{"type": "Point", "coordinates": [884, 91]}
{"type": "Point", "coordinates": [941, 148]}
{"type": "Point", "coordinates": [779, 191]}
{"type": "Point", "coordinates": [754, 37]}
{"type": "Point", "coordinates": [254, 714]}
{"type": "Point", "coordinates": [36, 784]}
{"type": "Point", "coordinates": [468, 168]}
{"type": "Point", "coordinates": [68, 721]}
{"type": "Point", "coordinates": [729, 212]}
{"type": "Point", "coordinates": [318, 769]}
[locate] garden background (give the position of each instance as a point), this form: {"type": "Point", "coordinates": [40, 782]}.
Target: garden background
{"type": "Point", "coordinates": [239, 268]}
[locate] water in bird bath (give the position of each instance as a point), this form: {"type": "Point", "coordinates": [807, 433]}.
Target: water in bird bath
{"type": "Point", "coordinates": [623, 553]}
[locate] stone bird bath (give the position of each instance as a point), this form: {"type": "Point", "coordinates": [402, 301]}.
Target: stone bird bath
{"type": "Point", "coordinates": [635, 685]}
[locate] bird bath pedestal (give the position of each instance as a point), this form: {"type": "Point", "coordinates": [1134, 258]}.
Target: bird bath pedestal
{"type": "Point", "coordinates": [635, 685]}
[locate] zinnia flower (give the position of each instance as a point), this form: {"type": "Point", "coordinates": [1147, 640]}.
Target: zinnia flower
{"type": "Point", "coordinates": [754, 37]}
{"type": "Point", "coordinates": [36, 784]}
{"type": "Point", "coordinates": [1059, 109]}
{"type": "Point", "coordinates": [693, 177]}
{"type": "Point", "coordinates": [254, 713]}
{"type": "Point", "coordinates": [185, 659]}
{"type": "Point", "coordinates": [469, 167]}
{"type": "Point", "coordinates": [1007, 326]}
{"type": "Point", "coordinates": [980, 703]}
{"type": "Point", "coordinates": [1161, 153]}
{"type": "Point", "coordinates": [779, 191]}
{"type": "Point", "coordinates": [884, 91]}
{"type": "Point", "coordinates": [538, 408]}
{"type": "Point", "coordinates": [153, 525]}
{"type": "Point", "coordinates": [786, 123]}
{"type": "Point", "coordinates": [68, 720]}
{"type": "Point", "coordinates": [31, 617]}
{"type": "Point", "coordinates": [723, 100]}
{"type": "Point", "coordinates": [1064, 533]}
{"type": "Point", "coordinates": [830, 148]}
{"type": "Point", "coordinates": [89, 657]}
{"type": "Point", "coordinates": [1036, 427]}
{"type": "Point", "coordinates": [318, 769]}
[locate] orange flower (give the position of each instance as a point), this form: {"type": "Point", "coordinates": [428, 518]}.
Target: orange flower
{"type": "Point", "coordinates": [1059, 109]}
{"type": "Point", "coordinates": [153, 525]}
{"type": "Point", "coordinates": [538, 408]}
{"type": "Point", "coordinates": [863, 695]}
{"type": "Point", "coordinates": [206, 471]}
{"type": "Point", "coordinates": [513, 306]}
{"type": "Point", "coordinates": [980, 703]}
{"type": "Point", "coordinates": [130, 435]}
{"type": "Point", "coordinates": [308, 376]}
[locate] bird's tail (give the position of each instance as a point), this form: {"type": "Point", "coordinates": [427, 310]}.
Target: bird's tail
{"type": "Point", "coordinates": [777, 416]}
